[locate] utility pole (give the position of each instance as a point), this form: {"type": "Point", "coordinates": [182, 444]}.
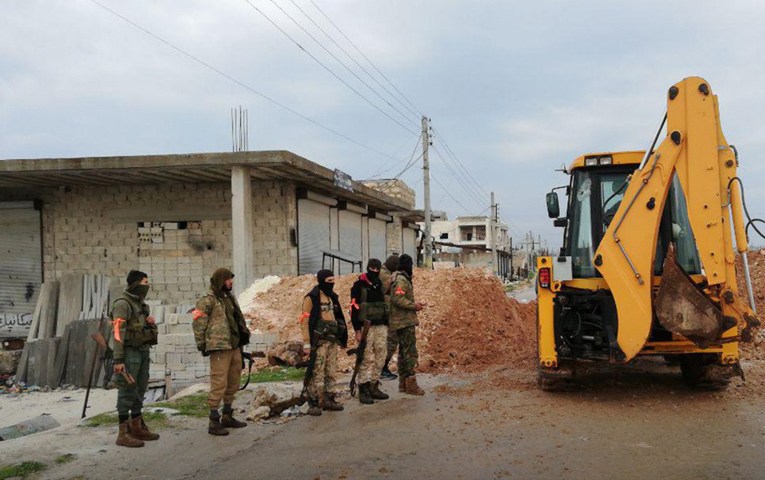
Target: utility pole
{"type": "Point", "coordinates": [493, 239]}
{"type": "Point", "coordinates": [428, 260]}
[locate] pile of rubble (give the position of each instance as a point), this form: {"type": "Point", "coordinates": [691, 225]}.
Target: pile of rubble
{"type": "Point", "coordinates": [468, 324]}
{"type": "Point", "coordinates": [756, 349]}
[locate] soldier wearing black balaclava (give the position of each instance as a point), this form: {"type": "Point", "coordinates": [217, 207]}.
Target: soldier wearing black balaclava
{"type": "Point", "coordinates": [368, 305]}
{"type": "Point", "coordinates": [323, 328]}
{"type": "Point", "coordinates": [135, 331]}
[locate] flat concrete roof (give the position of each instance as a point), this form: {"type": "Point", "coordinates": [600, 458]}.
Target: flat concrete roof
{"type": "Point", "coordinates": [187, 168]}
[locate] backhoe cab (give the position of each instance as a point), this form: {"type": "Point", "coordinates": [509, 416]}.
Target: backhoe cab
{"type": "Point", "coordinates": [647, 265]}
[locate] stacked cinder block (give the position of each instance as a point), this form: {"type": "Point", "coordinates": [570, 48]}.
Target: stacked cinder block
{"type": "Point", "coordinates": [176, 353]}
{"type": "Point", "coordinates": [274, 215]}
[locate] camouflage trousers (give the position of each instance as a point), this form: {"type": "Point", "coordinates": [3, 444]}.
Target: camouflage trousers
{"type": "Point", "coordinates": [374, 354]}
{"type": "Point", "coordinates": [392, 344]}
{"type": "Point", "coordinates": [324, 370]}
{"type": "Point", "coordinates": [407, 351]}
{"type": "Point", "coordinates": [130, 397]}
{"type": "Point", "coordinates": [225, 372]}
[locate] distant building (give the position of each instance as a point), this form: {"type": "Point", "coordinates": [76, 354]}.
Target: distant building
{"type": "Point", "coordinates": [467, 241]}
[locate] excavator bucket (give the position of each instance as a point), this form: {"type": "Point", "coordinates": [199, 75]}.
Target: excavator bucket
{"type": "Point", "coordinates": [682, 308]}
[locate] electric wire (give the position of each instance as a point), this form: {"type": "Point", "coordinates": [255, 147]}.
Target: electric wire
{"type": "Point", "coordinates": [324, 66]}
{"type": "Point", "coordinates": [363, 69]}
{"type": "Point", "coordinates": [240, 83]}
{"type": "Point", "coordinates": [464, 208]}
{"type": "Point", "coordinates": [395, 165]}
{"type": "Point", "coordinates": [459, 163]}
{"type": "Point", "coordinates": [416, 110]}
{"type": "Point", "coordinates": [410, 165]}
{"type": "Point", "coordinates": [465, 186]}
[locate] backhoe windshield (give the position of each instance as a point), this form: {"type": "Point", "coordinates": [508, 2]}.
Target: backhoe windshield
{"type": "Point", "coordinates": [596, 195]}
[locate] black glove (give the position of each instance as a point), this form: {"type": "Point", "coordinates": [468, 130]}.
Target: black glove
{"type": "Point", "coordinates": [203, 351]}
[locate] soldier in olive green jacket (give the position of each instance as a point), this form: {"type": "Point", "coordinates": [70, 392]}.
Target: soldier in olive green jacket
{"type": "Point", "coordinates": [135, 331]}
{"type": "Point", "coordinates": [220, 331]}
{"type": "Point", "coordinates": [386, 272]}
{"type": "Point", "coordinates": [403, 319]}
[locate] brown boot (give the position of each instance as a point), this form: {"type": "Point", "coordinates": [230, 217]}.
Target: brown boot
{"type": "Point", "coordinates": [377, 394]}
{"type": "Point", "coordinates": [124, 439]}
{"type": "Point", "coordinates": [411, 386]}
{"type": "Point", "coordinates": [228, 421]}
{"type": "Point", "coordinates": [330, 403]}
{"type": "Point", "coordinates": [137, 429]}
{"type": "Point", "coordinates": [402, 384]}
{"type": "Point", "coordinates": [215, 428]}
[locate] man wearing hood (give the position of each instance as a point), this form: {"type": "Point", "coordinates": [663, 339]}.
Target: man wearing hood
{"type": "Point", "coordinates": [386, 272]}
{"type": "Point", "coordinates": [135, 331]}
{"type": "Point", "coordinates": [403, 319]}
{"type": "Point", "coordinates": [220, 332]}
{"type": "Point", "coordinates": [323, 331]}
{"type": "Point", "coordinates": [368, 305]}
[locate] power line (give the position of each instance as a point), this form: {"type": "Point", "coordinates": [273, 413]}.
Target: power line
{"type": "Point", "coordinates": [468, 189]}
{"type": "Point", "coordinates": [350, 57]}
{"type": "Point", "coordinates": [242, 84]}
{"type": "Point", "coordinates": [384, 170]}
{"type": "Point", "coordinates": [325, 67]}
{"type": "Point", "coordinates": [459, 163]}
{"type": "Point", "coordinates": [417, 110]}
{"type": "Point", "coordinates": [411, 163]}
{"type": "Point", "coordinates": [464, 208]}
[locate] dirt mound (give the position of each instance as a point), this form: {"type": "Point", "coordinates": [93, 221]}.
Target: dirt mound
{"type": "Point", "coordinates": [469, 322]}
{"type": "Point", "coordinates": [756, 349]}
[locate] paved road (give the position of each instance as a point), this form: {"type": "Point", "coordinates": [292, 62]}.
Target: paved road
{"type": "Point", "coordinates": [524, 293]}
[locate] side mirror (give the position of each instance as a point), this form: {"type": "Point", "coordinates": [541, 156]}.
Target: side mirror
{"type": "Point", "coordinates": [560, 222]}
{"type": "Point", "coordinates": [553, 208]}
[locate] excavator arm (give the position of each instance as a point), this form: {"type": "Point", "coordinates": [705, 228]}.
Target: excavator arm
{"type": "Point", "coordinates": [696, 151]}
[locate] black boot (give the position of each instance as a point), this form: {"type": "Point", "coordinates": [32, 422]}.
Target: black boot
{"type": "Point", "coordinates": [387, 374]}
{"type": "Point", "coordinates": [330, 404]}
{"type": "Point", "coordinates": [314, 409]}
{"type": "Point", "coordinates": [215, 428]}
{"type": "Point", "coordinates": [377, 394]}
{"type": "Point", "coordinates": [365, 396]}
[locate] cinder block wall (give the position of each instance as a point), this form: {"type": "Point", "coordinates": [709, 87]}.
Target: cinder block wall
{"type": "Point", "coordinates": [110, 230]}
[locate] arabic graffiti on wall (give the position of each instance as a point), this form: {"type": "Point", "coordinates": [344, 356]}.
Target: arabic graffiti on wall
{"type": "Point", "coordinates": [15, 324]}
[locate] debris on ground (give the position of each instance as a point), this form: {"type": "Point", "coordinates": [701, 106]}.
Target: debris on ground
{"type": "Point", "coordinates": [272, 399]}
{"type": "Point", "coordinates": [469, 322]}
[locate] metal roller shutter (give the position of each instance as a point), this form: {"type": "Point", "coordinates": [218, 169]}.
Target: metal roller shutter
{"type": "Point", "coordinates": [20, 266]}
{"type": "Point", "coordinates": [313, 235]}
{"type": "Point", "coordinates": [350, 238]}
{"type": "Point", "coordinates": [377, 239]}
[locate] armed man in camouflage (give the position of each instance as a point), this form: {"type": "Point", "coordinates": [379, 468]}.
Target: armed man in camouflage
{"type": "Point", "coordinates": [323, 331]}
{"type": "Point", "coordinates": [368, 305]}
{"type": "Point", "coordinates": [403, 319]}
{"type": "Point", "coordinates": [135, 331]}
{"type": "Point", "coordinates": [390, 265]}
{"type": "Point", "coordinates": [220, 332]}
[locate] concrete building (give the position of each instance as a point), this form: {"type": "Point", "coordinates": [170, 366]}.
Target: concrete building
{"type": "Point", "coordinates": [178, 217]}
{"type": "Point", "coordinates": [467, 241]}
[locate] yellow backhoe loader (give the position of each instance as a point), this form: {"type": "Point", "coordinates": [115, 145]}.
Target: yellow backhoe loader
{"type": "Point", "coordinates": [648, 263]}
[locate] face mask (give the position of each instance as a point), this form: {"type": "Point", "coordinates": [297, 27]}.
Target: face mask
{"type": "Point", "coordinates": [139, 290]}
{"type": "Point", "coordinates": [327, 288]}
{"type": "Point", "coordinates": [373, 275]}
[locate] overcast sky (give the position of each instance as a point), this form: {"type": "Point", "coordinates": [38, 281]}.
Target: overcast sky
{"type": "Point", "coordinates": [514, 89]}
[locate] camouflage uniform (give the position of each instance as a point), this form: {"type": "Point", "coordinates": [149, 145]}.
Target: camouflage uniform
{"type": "Point", "coordinates": [133, 340]}
{"type": "Point", "coordinates": [220, 331]}
{"type": "Point", "coordinates": [392, 339]}
{"type": "Point", "coordinates": [325, 339]}
{"type": "Point", "coordinates": [403, 319]}
{"type": "Point", "coordinates": [134, 335]}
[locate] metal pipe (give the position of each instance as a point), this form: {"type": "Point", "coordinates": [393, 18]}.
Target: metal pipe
{"type": "Point", "coordinates": [748, 283]}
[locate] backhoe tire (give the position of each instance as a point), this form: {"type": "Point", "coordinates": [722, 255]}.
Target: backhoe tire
{"type": "Point", "coordinates": [699, 372]}
{"type": "Point", "coordinates": [559, 380]}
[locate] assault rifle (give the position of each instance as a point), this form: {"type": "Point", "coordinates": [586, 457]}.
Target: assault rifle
{"type": "Point", "coordinates": [250, 357]}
